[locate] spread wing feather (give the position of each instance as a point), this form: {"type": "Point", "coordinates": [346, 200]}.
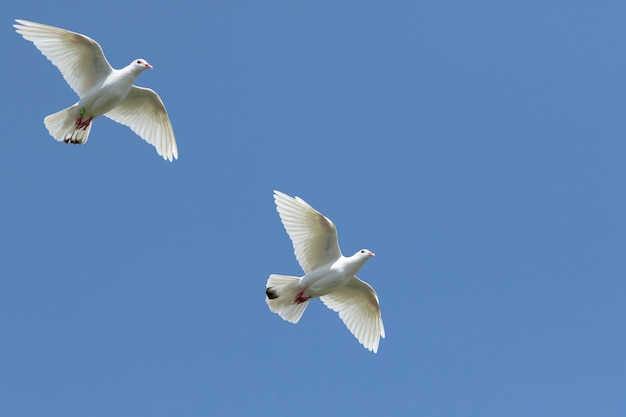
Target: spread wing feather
{"type": "Point", "coordinates": [313, 235]}
{"type": "Point", "coordinates": [79, 58]}
{"type": "Point", "coordinates": [143, 111]}
{"type": "Point", "coordinates": [358, 307]}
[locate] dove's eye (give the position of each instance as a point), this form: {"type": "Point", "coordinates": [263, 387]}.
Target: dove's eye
{"type": "Point", "coordinates": [139, 61]}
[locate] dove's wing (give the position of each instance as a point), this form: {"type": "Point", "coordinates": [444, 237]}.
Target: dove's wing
{"type": "Point", "coordinates": [79, 58]}
{"type": "Point", "coordinates": [313, 235]}
{"type": "Point", "coordinates": [357, 305]}
{"type": "Point", "coordinates": [143, 111]}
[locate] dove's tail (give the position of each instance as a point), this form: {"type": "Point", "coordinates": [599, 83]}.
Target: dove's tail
{"type": "Point", "coordinates": [68, 126]}
{"type": "Point", "coordinates": [281, 294]}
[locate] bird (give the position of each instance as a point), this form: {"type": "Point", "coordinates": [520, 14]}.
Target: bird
{"type": "Point", "coordinates": [327, 274]}
{"type": "Point", "coordinates": [102, 90]}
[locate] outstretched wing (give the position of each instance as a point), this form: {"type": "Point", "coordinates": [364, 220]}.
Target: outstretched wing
{"type": "Point", "coordinates": [143, 111]}
{"type": "Point", "coordinates": [79, 58]}
{"type": "Point", "coordinates": [313, 235]}
{"type": "Point", "coordinates": [357, 305]}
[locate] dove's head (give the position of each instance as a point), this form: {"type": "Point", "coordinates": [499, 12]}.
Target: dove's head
{"type": "Point", "coordinates": [357, 260]}
{"type": "Point", "coordinates": [141, 64]}
{"type": "Point", "coordinates": [364, 254]}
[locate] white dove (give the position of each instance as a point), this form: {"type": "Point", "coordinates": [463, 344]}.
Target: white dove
{"type": "Point", "coordinates": [102, 90]}
{"type": "Point", "coordinates": [327, 274]}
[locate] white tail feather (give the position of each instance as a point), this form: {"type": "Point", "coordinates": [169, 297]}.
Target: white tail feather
{"type": "Point", "coordinates": [62, 126]}
{"type": "Point", "coordinates": [283, 290]}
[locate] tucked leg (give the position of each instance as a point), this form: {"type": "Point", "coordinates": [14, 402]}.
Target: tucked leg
{"type": "Point", "coordinates": [300, 298]}
{"type": "Point", "coordinates": [82, 124]}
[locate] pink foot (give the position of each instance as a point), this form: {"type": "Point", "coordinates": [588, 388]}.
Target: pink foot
{"type": "Point", "coordinates": [300, 298]}
{"type": "Point", "coordinates": [82, 124]}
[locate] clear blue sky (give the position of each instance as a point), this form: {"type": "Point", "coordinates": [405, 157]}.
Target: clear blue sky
{"type": "Point", "coordinates": [479, 149]}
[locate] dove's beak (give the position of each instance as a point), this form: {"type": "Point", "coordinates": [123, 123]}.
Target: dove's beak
{"type": "Point", "coordinates": [148, 66]}
{"type": "Point", "coordinates": [372, 254]}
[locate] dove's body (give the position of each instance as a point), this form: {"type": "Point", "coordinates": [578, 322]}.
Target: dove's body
{"type": "Point", "coordinates": [109, 92]}
{"type": "Point", "coordinates": [327, 274]}
{"type": "Point", "coordinates": [333, 276]}
{"type": "Point", "coordinates": [102, 90]}
{"type": "Point", "coordinates": [72, 125]}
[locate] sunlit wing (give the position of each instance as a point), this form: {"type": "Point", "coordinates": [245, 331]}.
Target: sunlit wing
{"type": "Point", "coordinates": [313, 235]}
{"type": "Point", "coordinates": [357, 305]}
{"type": "Point", "coordinates": [144, 112]}
{"type": "Point", "coordinates": [79, 58]}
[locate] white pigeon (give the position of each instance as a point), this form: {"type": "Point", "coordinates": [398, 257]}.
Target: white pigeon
{"type": "Point", "coordinates": [327, 274]}
{"type": "Point", "coordinates": [102, 90]}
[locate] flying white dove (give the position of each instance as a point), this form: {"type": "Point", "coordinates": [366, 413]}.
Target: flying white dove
{"type": "Point", "coordinates": [327, 274]}
{"type": "Point", "coordinates": [102, 90]}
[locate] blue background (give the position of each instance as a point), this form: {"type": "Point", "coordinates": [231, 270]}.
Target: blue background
{"type": "Point", "coordinates": [478, 148]}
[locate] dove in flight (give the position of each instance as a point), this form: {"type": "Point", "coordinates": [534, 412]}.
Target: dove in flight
{"type": "Point", "coordinates": [102, 90]}
{"type": "Point", "coordinates": [327, 274]}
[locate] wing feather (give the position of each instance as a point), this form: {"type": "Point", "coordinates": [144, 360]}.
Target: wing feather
{"type": "Point", "coordinates": [79, 58]}
{"type": "Point", "coordinates": [358, 307]}
{"type": "Point", "coordinates": [143, 111]}
{"type": "Point", "coordinates": [313, 235]}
